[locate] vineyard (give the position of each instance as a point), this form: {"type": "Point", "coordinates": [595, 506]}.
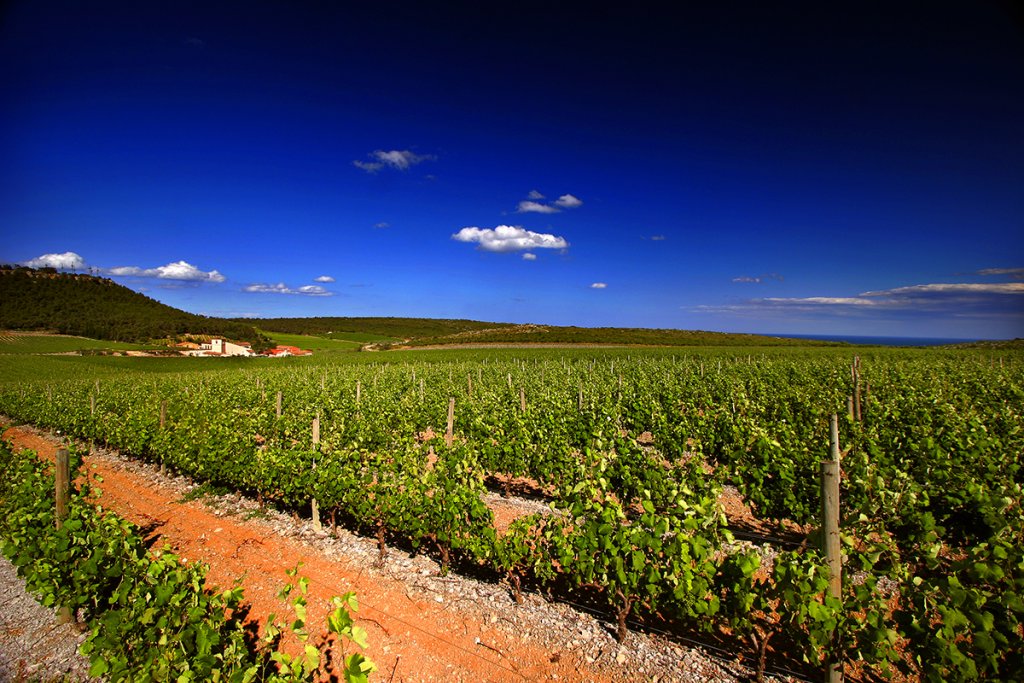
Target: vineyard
{"type": "Point", "coordinates": [630, 451]}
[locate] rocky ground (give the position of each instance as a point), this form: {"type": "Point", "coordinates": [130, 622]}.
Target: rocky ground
{"type": "Point", "coordinates": [422, 626]}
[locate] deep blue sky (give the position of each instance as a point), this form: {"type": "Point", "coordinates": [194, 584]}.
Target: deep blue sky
{"type": "Point", "coordinates": [822, 168]}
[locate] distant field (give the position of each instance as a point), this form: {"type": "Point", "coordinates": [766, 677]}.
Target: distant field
{"type": "Point", "coordinates": [315, 343]}
{"type": "Point", "coordinates": [31, 342]}
{"type": "Point", "coordinates": [361, 337]}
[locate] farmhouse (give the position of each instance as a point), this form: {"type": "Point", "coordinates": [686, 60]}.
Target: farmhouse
{"type": "Point", "coordinates": [221, 347]}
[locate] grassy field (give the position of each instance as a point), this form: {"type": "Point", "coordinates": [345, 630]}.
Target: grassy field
{"type": "Point", "coordinates": [316, 344]}
{"type": "Point", "coordinates": [361, 337]}
{"type": "Point", "coordinates": [21, 343]}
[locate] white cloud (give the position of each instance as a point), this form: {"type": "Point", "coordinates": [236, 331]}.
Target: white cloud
{"type": "Point", "coordinates": [820, 301]}
{"type": "Point", "coordinates": [506, 238]}
{"type": "Point", "coordinates": [1015, 273]}
{"type": "Point", "coordinates": [399, 159]}
{"type": "Point", "coordinates": [993, 288]}
{"type": "Point", "coordinates": [324, 278]}
{"type": "Point", "coordinates": [69, 260]}
{"type": "Point", "coordinates": [368, 166]}
{"type": "Point", "coordinates": [657, 238]}
{"type": "Point", "coordinates": [529, 257]}
{"type": "Point", "coordinates": [759, 278]}
{"type": "Point", "coordinates": [282, 288]}
{"type": "Point", "coordinates": [381, 225]}
{"type": "Point", "coordinates": [179, 270]}
{"type": "Point", "coordinates": [567, 201]}
{"type": "Point", "coordinates": [527, 206]}
{"type": "Point", "coordinates": [598, 285]}
{"type": "Point", "coordinates": [531, 205]}
{"type": "Point", "coordinates": [946, 300]}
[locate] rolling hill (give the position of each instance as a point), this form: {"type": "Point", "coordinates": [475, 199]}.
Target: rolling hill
{"type": "Point", "coordinates": [99, 308]}
{"type": "Point", "coordinates": [385, 333]}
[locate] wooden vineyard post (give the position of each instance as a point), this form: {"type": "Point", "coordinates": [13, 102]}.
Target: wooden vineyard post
{"type": "Point", "coordinates": [359, 392]}
{"type": "Point", "coordinates": [855, 372]}
{"type": "Point", "coordinates": [522, 400]}
{"type": "Point", "coordinates": [315, 507]}
{"type": "Point", "coordinates": [830, 532]}
{"type": "Point", "coordinates": [62, 482]}
{"type": "Point", "coordinates": [449, 434]}
{"type": "Point", "coordinates": [421, 390]}
{"type": "Point", "coordinates": [279, 398]}
{"type": "Point", "coordinates": [469, 383]}
{"type": "Point", "coordinates": [163, 424]}
{"type": "Point", "coordinates": [92, 414]}
{"type": "Point", "coordinates": [579, 401]}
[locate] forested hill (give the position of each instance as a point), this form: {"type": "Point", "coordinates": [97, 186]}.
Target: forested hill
{"type": "Point", "coordinates": [391, 328]}
{"type": "Point", "coordinates": [99, 308]}
{"type": "Point", "coordinates": [413, 332]}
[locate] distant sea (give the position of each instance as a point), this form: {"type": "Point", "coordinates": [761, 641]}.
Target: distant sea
{"type": "Point", "coordinates": [877, 341]}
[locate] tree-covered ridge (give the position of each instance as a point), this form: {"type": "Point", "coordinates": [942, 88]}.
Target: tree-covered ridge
{"type": "Point", "coordinates": [444, 332]}
{"type": "Point", "coordinates": [390, 328]}
{"type": "Point", "coordinates": [99, 308]}
{"type": "Point", "coordinates": [551, 334]}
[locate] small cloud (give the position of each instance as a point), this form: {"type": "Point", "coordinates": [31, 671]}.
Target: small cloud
{"type": "Point", "coordinates": [69, 260]}
{"type": "Point", "coordinates": [368, 166]}
{"type": "Point", "coordinates": [529, 257]}
{"type": "Point", "coordinates": [381, 225]}
{"type": "Point", "coordinates": [531, 205]}
{"type": "Point", "coordinates": [324, 278]}
{"type": "Point", "coordinates": [398, 159]}
{"type": "Point", "coordinates": [179, 270]}
{"type": "Point", "coordinates": [1013, 273]}
{"type": "Point", "coordinates": [657, 238]}
{"type": "Point", "coordinates": [282, 288]}
{"type": "Point", "coordinates": [759, 279]}
{"type": "Point", "coordinates": [994, 288]}
{"type": "Point", "coordinates": [505, 238]}
{"type": "Point", "coordinates": [820, 301]}
{"type": "Point", "coordinates": [527, 206]}
{"type": "Point", "coordinates": [598, 285]}
{"type": "Point", "coordinates": [567, 201]}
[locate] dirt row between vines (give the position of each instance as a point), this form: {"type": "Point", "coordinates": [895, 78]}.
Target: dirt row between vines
{"type": "Point", "coordinates": [421, 626]}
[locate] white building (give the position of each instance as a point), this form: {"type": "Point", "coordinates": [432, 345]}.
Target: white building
{"type": "Point", "coordinates": [221, 347]}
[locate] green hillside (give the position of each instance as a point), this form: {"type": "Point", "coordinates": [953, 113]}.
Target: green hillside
{"type": "Point", "coordinates": [99, 308]}
{"type": "Point", "coordinates": [384, 333]}
{"type": "Point", "coordinates": [371, 329]}
{"type": "Point", "coordinates": [551, 334]}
